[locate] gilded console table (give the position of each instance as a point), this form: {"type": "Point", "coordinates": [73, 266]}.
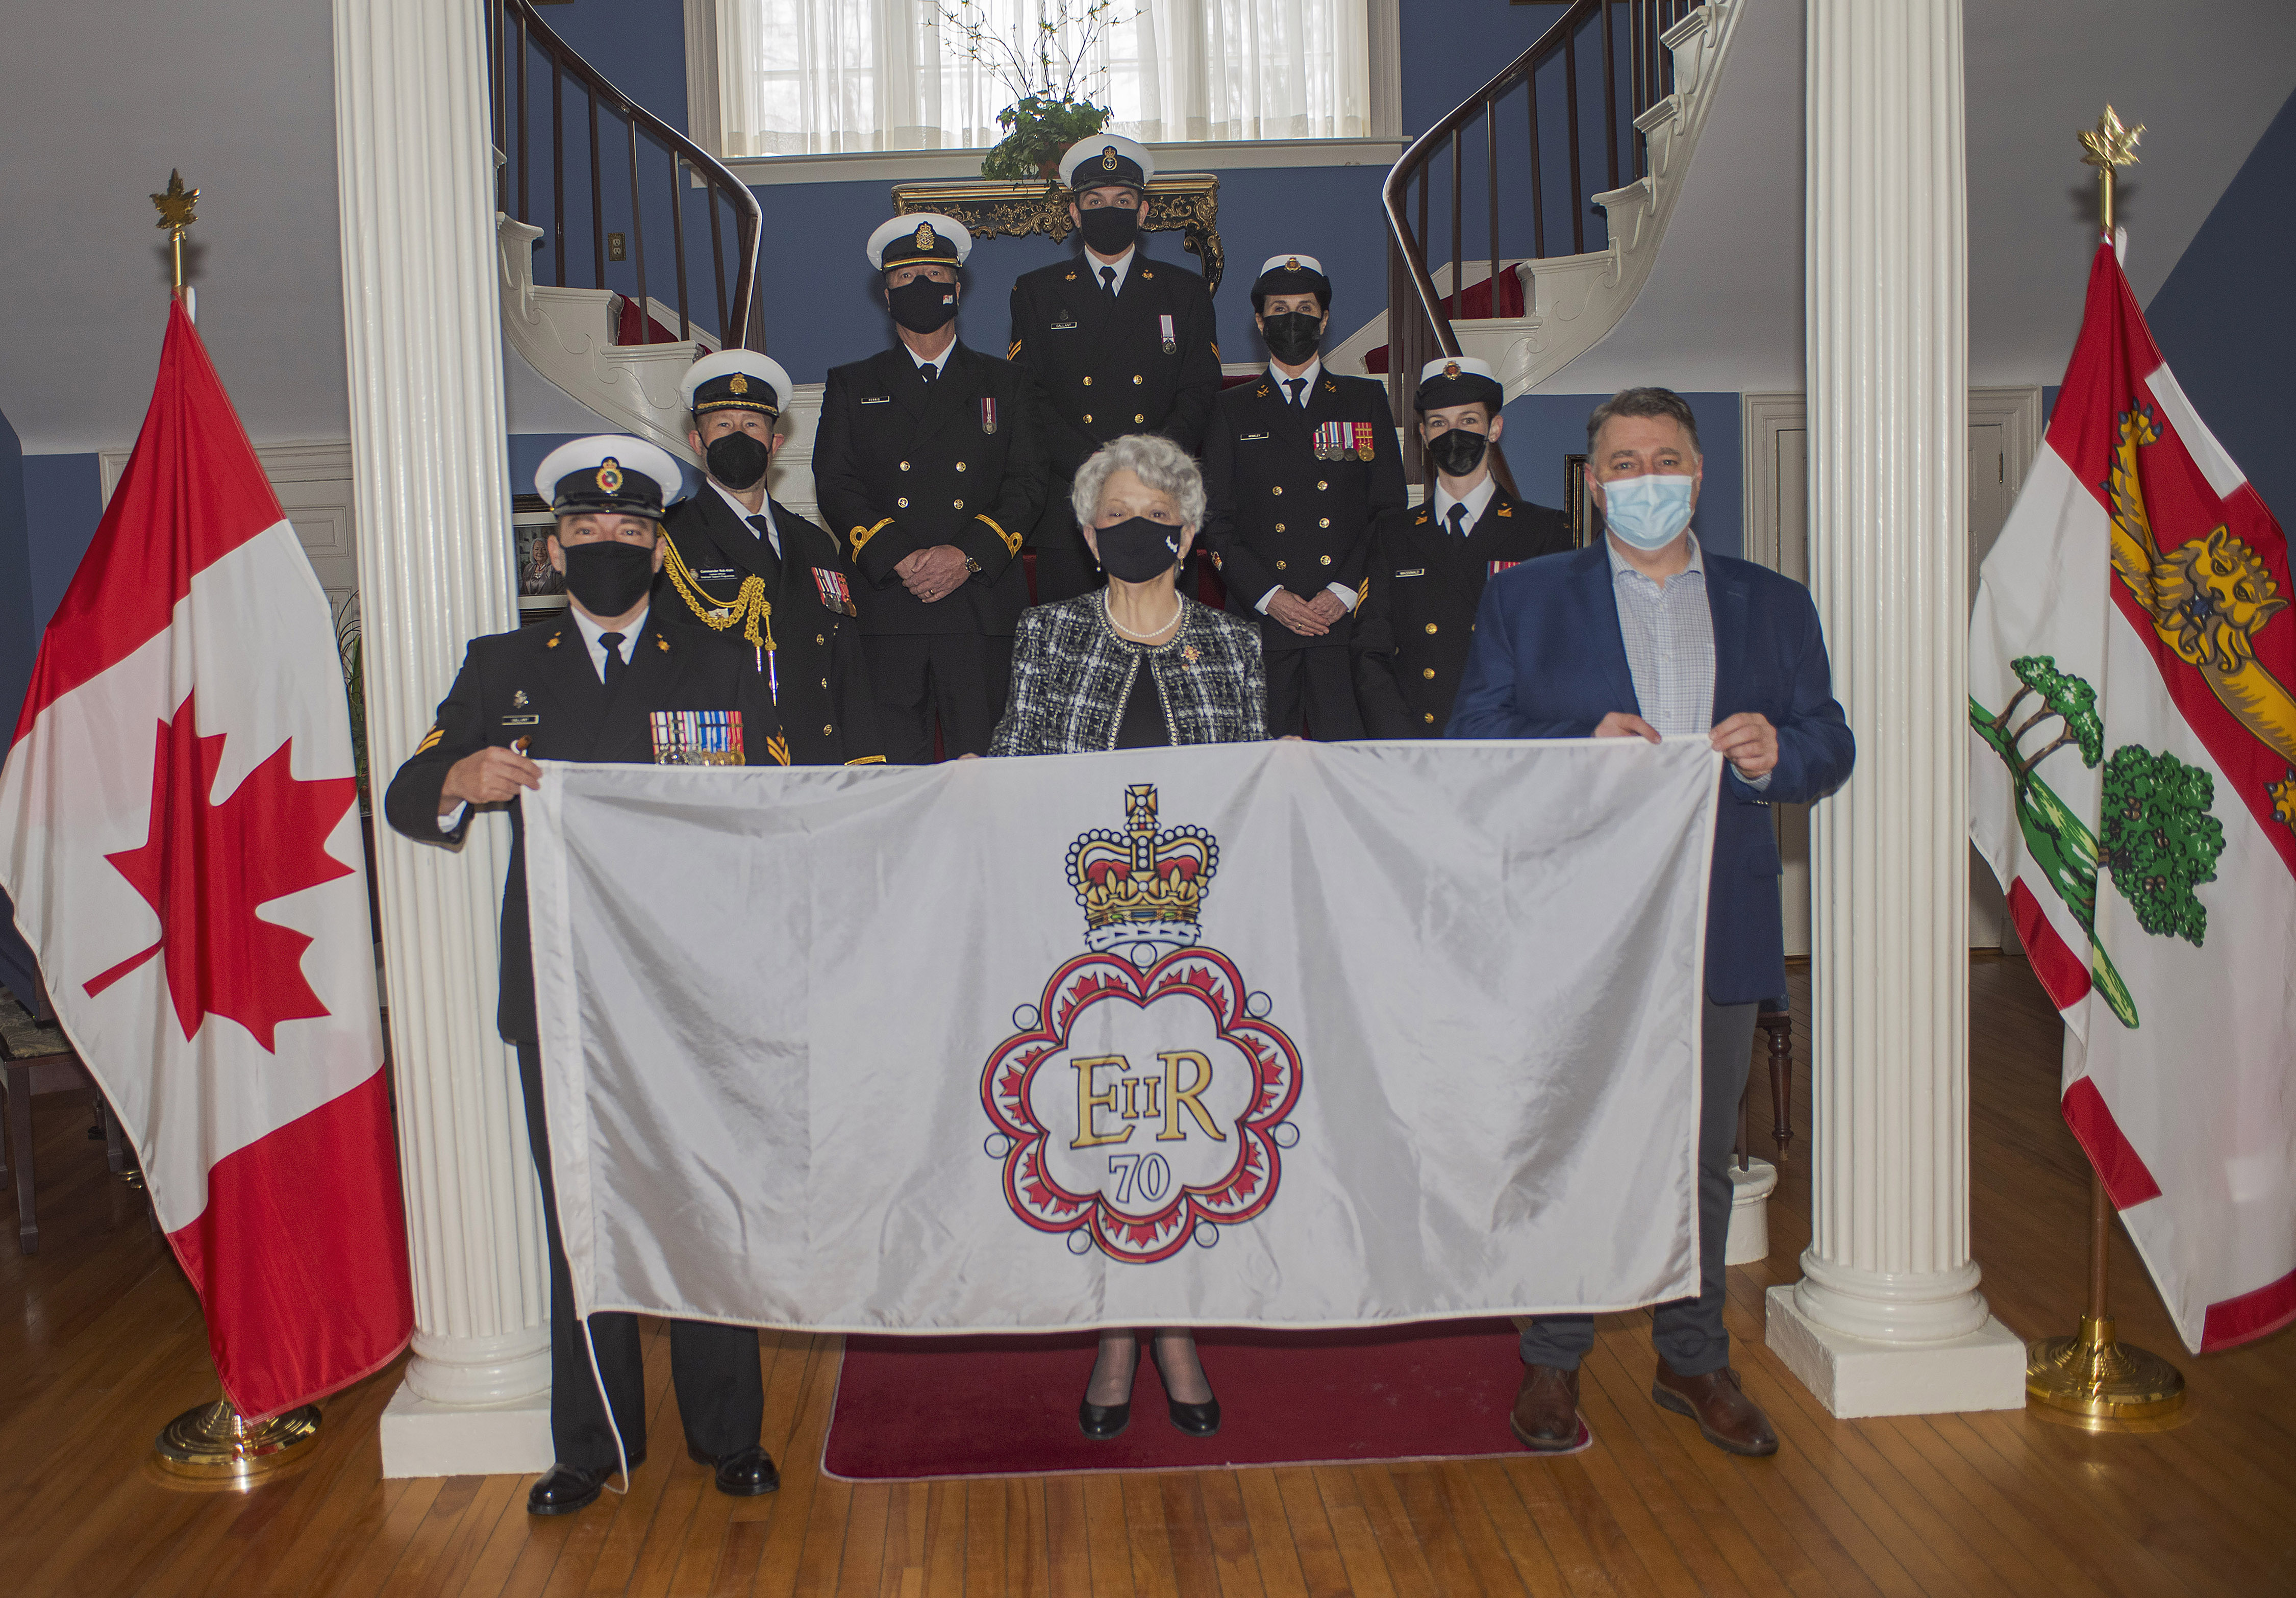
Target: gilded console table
{"type": "Point", "coordinates": [1188, 202]}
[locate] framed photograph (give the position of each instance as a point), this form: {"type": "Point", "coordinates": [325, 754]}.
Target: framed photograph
{"type": "Point", "coordinates": [1578, 505]}
{"type": "Point", "coordinates": [541, 591]}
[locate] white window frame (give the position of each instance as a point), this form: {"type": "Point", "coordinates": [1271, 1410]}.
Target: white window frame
{"type": "Point", "coordinates": [1381, 149]}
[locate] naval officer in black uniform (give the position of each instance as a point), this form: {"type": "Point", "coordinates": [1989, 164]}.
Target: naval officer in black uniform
{"type": "Point", "coordinates": [585, 689]}
{"type": "Point", "coordinates": [929, 462]}
{"type": "Point", "coordinates": [747, 568]}
{"type": "Point", "coordinates": [1118, 343]}
{"type": "Point", "coordinates": [1428, 571]}
{"type": "Point", "coordinates": [1303, 468]}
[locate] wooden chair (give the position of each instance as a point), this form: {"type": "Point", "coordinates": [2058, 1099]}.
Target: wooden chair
{"type": "Point", "coordinates": [1777, 1025]}
{"type": "Point", "coordinates": [36, 1058]}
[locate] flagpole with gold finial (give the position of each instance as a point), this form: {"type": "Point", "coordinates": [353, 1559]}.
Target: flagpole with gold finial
{"type": "Point", "coordinates": [2092, 1379]}
{"type": "Point", "coordinates": [176, 204]}
{"type": "Point", "coordinates": [212, 1444]}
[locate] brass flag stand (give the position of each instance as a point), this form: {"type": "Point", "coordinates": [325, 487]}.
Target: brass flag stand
{"type": "Point", "coordinates": [212, 1443]}
{"type": "Point", "coordinates": [2091, 1376]}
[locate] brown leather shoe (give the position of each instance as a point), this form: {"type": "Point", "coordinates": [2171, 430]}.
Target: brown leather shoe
{"type": "Point", "coordinates": [1545, 1414]}
{"type": "Point", "coordinates": [1731, 1421]}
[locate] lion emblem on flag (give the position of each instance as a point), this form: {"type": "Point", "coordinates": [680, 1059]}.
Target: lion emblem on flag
{"type": "Point", "coordinates": [1141, 1101]}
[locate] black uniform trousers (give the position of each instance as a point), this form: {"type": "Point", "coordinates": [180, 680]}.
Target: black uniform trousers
{"type": "Point", "coordinates": [721, 1390]}
{"type": "Point", "coordinates": [1311, 691]}
{"type": "Point", "coordinates": [1686, 1333]}
{"type": "Point", "coordinates": [957, 679]}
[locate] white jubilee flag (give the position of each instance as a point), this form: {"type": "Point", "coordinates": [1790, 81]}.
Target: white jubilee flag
{"type": "Point", "coordinates": [1290, 1033]}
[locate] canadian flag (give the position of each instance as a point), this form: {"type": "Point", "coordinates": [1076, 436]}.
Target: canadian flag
{"type": "Point", "coordinates": [179, 830]}
{"type": "Point", "coordinates": [2132, 782]}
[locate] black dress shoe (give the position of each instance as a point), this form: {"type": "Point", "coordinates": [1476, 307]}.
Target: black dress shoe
{"type": "Point", "coordinates": [1197, 1420]}
{"type": "Point", "coordinates": [565, 1488]}
{"type": "Point", "coordinates": [1101, 1422]}
{"type": "Point", "coordinates": [744, 1473]}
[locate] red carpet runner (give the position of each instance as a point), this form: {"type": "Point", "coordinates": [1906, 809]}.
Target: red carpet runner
{"type": "Point", "coordinates": [925, 1407]}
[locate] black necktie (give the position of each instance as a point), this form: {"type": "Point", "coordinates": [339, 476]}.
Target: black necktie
{"type": "Point", "coordinates": [1458, 519]}
{"type": "Point", "coordinates": [1108, 279]}
{"type": "Point", "coordinates": [1295, 384]}
{"type": "Point", "coordinates": [615, 664]}
{"type": "Point", "coordinates": [927, 372]}
{"type": "Point", "coordinates": [769, 561]}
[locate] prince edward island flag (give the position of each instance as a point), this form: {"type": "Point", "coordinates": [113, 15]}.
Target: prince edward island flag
{"type": "Point", "coordinates": [2132, 782]}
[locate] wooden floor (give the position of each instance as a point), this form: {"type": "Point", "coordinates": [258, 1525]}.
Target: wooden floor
{"type": "Point", "coordinates": [105, 1345]}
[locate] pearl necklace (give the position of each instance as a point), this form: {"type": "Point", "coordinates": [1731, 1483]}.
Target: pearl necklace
{"type": "Point", "coordinates": [1179, 607]}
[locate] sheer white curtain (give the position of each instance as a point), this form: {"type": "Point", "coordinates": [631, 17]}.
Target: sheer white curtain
{"type": "Point", "coordinates": [810, 77]}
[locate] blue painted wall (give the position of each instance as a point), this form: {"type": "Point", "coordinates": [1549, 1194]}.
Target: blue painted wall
{"type": "Point", "coordinates": [2226, 321]}
{"type": "Point", "coordinates": [17, 634]}
{"type": "Point", "coordinates": [64, 500]}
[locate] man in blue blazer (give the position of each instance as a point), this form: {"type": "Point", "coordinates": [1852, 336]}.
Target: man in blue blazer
{"type": "Point", "coordinates": [1643, 635]}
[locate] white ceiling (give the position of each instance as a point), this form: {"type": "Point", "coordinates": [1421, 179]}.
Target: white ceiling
{"type": "Point", "coordinates": [103, 101]}
{"type": "Point", "coordinates": [1723, 307]}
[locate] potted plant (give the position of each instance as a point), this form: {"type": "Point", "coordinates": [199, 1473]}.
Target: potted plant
{"type": "Point", "coordinates": [1047, 66]}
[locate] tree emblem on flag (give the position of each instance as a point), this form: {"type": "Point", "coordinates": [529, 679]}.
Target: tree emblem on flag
{"type": "Point", "coordinates": [1141, 1103]}
{"type": "Point", "coordinates": [2159, 838]}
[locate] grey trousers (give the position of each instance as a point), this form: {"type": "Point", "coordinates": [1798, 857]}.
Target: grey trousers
{"type": "Point", "coordinates": [1686, 1333]}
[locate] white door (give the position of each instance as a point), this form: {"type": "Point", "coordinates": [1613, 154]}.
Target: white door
{"type": "Point", "coordinates": [2004, 431]}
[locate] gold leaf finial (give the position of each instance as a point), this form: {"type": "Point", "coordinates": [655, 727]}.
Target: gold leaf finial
{"type": "Point", "coordinates": [176, 204]}
{"type": "Point", "coordinates": [2110, 144]}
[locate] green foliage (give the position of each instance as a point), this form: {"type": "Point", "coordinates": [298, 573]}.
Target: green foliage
{"type": "Point", "coordinates": [1038, 129]}
{"type": "Point", "coordinates": [2063, 695]}
{"type": "Point", "coordinates": [2159, 840]}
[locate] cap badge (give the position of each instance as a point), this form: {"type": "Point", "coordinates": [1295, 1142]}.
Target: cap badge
{"type": "Point", "coordinates": [924, 239]}
{"type": "Point", "coordinates": [1450, 368]}
{"type": "Point", "coordinates": [610, 475]}
{"type": "Point", "coordinates": [739, 385]}
{"type": "Point", "coordinates": [1292, 265]}
{"type": "Point", "coordinates": [1108, 159]}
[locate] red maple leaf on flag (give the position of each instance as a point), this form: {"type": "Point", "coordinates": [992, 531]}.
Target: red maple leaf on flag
{"type": "Point", "coordinates": [206, 869]}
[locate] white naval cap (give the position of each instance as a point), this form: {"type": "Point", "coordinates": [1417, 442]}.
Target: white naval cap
{"type": "Point", "coordinates": [612, 474]}
{"type": "Point", "coordinates": [1103, 159]}
{"type": "Point", "coordinates": [920, 236]}
{"type": "Point", "coordinates": [1291, 263]}
{"type": "Point", "coordinates": [1450, 379]}
{"type": "Point", "coordinates": [735, 379]}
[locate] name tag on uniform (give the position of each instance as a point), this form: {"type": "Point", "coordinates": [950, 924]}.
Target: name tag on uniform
{"type": "Point", "coordinates": [715, 574]}
{"type": "Point", "coordinates": [696, 737]}
{"type": "Point", "coordinates": [876, 400]}
{"type": "Point", "coordinates": [521, 721]}
{"type": "Point", "coordinates": [1064, 327]}
{"type": "Point", "coordinates": [1172, 338]}
{"type": "Point", "coordinates": [1415, 572]}
{"type": "Point", "coordinates": [834, 594]}
{"type": "Point", "coordinates": [1249, 437]}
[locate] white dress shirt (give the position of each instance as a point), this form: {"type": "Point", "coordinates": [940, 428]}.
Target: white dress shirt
{"type": "Point", "coordinates": [1478, 501]}
{"type": "Point", "coordinates": [743, 513]}
{"type": "Point", "coordinates": [939, 362]}
{"type": "Point", "coordinates": [1122, 266]}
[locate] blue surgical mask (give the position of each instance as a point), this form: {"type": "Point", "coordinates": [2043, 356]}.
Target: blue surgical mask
{"type": "Point", "coordinates": [1648, 513]}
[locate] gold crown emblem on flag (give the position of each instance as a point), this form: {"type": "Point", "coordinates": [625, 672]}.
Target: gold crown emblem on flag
{"type": "Point", "coordinates": [924, 239]}
{"type": "Point", "coordinates": [610, 475]}
{"type": "Point", "coordinates": [1141, 876]}
{"type": "Point", "coordinates": [739, 385]}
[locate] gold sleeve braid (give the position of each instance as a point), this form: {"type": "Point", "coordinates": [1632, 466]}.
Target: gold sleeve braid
{"type": "Point", "coordinates": [748, 606]}
{"type": "Point", "coordinates": [1011, 544]}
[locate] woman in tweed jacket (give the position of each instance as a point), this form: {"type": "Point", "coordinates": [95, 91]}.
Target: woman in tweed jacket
{"type": "Point", "coordinates": [1135, 656]}
{"type": "Point", "coordinates": [1133, 667]}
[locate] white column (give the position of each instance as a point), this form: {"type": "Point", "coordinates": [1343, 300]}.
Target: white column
{"type": "Point", "coordinates": [423, 333]}
{"type": "Point", "coordinates": [1887, 1318]}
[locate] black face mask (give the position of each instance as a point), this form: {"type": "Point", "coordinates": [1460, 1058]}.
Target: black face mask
{"type": "Point", "coordinates": [1456, 452]}
{"type": "Point", "coordinates": [738, 459]}
{"type": "Point", "coordinates": [1137, 550]}
{"type": "Point", "coordinates": [1292, 336]}
{"type": "Point", "coordinates": [1111, 229]}
{"type": "Point", "coordinates": [610, 577]}
{"type": "Point", "coordinates": [921, 305]}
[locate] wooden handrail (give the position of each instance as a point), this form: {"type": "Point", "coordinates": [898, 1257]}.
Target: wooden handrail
{"type": "Point", "coordinates": [1648, 73]}
{"type": "Point", "coordinates": [515, 25]}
